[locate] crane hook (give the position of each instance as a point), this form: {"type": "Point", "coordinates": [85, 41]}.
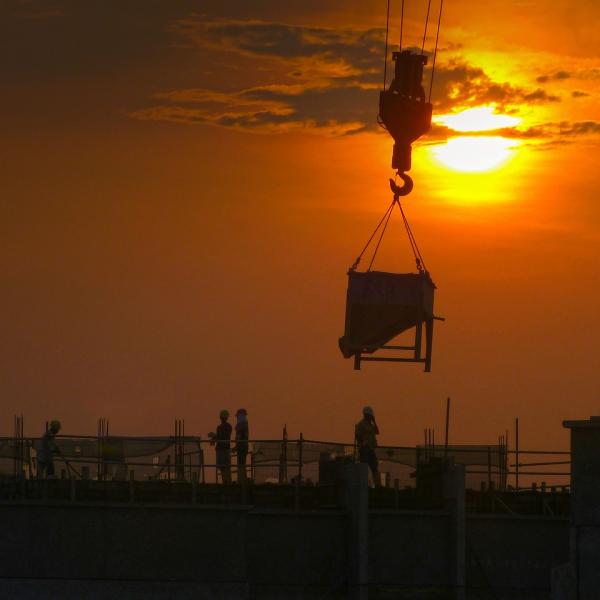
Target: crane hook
{"type": "Point", "coordinates": [405, 189]}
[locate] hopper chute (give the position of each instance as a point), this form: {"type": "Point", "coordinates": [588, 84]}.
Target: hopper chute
{"type": "Point", "coordinates": [381, 306]}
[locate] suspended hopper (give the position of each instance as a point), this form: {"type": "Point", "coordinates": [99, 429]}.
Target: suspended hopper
{"type": "Point", "coordinates": [381, 306]}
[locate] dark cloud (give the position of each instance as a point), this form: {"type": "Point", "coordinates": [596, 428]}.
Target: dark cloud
{"type": "Point", "coordinates": [556, 76]}
{"type": "Point", "coordinates": [553, 131]}
{"type": "Point", "coordinates": [581, 128]}
{"type": "Point", "coordinates": [332, 110]}
{"type": "Point", "coordinates": [360, 50]}
{"type": "Point", "coordinates": [461, 84]}
{"type": "Point", "coordinates": [579, 94]}
{"type": "Point", "coordinates": [325, 80]}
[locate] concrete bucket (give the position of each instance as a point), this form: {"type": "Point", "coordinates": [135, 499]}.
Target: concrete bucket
{"type": "Point", "coordinates": [381, 306]}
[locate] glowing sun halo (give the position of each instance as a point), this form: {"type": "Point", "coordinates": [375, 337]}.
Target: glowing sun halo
{"type": "Point", "coordinates": [475, 153]}
{"type": "Point", "coordinates": [481, 118]}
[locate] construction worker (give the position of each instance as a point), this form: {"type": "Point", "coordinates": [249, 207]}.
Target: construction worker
{"type": "Point", "coordinates": [365, 434]}
{"type": "Point", "coordinates": [47, 449]}
{"type": "Point", "coordinates": [222, 442]}
{"type": "Point", "coordinates": [241, 442]}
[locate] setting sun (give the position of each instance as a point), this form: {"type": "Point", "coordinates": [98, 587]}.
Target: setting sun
{"type": "Point", "coordinates": [481, 118]}
{"type": "Point", "coordinates": [474, 154]}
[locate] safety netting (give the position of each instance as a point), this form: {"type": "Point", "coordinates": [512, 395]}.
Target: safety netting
{"type": "Point", "coordinates": [283, 461]}
{"type": "Point", "coordinates": [110, 457]}
{"type": "Point", "coordinates": [270, 461]}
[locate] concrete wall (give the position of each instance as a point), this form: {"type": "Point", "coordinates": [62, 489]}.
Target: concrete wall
{"type": "Point", "coordinates": [579, 578]}
{"type": "Point", "coordinates": [515, 555]}
{"type": "Point", "coordinates": [409, 548]}
{"type": "Point", "coordinates": [128, 551]}
{"type": "Point", "coordinates": [114, 542]}
{"type": "Point", "coordinates": [289, 549]}
{"type": "Point", "coordinates": [232, 552]}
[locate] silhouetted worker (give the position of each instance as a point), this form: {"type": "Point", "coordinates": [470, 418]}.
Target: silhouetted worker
{"type": "Point", "coordinates": [365, 433]}
{"type": "Point", "coordinates": [222, 442]}
{"type": "Point", "coordinates": [241, 442]}
{"type": "Point", "coordinates": [47, 450]}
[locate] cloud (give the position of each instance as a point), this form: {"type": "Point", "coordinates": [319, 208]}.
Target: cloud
{"type": "Point", "coordinates": [460, 84]}
{"type": "Point", "coordinates": [556, 76]}
{"type": "Point", "coordinates": [355, 51]}
{"type": "Point", "coordinates": [563, 131]}
{"type": "Point", "coordinates": [315, 79]}
{"type": "Point", "coordinates": [579, 94]}
{"type": "Point", "coordinates": [269, 109]}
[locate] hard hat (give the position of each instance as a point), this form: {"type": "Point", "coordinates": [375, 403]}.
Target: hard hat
{"type": "Point", "coordinates": [367, 410]}
{"type": "Point", "coordinates": [241, 411]}
{"type": "Point", "coordinates": [224, 414]}
{"type": "Point", "coordinates": [55, 425]}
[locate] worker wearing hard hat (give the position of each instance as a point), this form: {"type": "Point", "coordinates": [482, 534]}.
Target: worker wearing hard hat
{"type": "Point", "coordinates": [365, 433]}
{"type": "Point", "coordinates": [46, 451]}
{"type": "Point", "coordinates": [222, 442]}
{"type": "Point", "coordinates": [241, 442]}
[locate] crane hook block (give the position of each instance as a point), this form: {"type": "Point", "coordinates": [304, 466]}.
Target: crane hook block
{"type": "Point", "coordinates": [402, 107]}
{"type": "Point", "coordinates": [406, 189]}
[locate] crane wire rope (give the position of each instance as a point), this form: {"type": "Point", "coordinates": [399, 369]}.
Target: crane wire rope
{"type": "Point", "coordinates": [413, 242]}
{"type": "Point", "coordinates": [358, 259]}
{"type": "Point", "coordinates": [426, 24]}
{"type": "Point", "coordinates": [389, 214]}
{"type": "Point", "coordinates": [437, 37]}
{"type": "Point", "coordinates": [385, 58]}
{"type": "Point", "coordinates": [401, 25]}
{"type": "Point", "coordinates": [420, 262]}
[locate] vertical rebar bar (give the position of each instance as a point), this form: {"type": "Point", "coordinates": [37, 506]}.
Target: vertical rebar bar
{"type": "Point", "coordinates": [300, 457]}
{"type": "Point", "coordinates": [489, 459]}
{"type": "Point", "coordinates": [506, 461]}
{"type": "Point", "coordinates": [447, 427]}
{"type": "Point", "coordinates": [517, 453]}
{"type": "Point", "coordinates": [98, 450]}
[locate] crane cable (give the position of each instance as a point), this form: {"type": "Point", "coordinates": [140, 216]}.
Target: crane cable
{"type": "Point", "coordinates": [384, 222]}
{"type": "Point", "coordinates": [401, 25]}
{"type": "Point", "coordinates": [388, 213]}
{"type": "Point", "coordinates": [387, 31]}
{"type": "Point", "coordinates": [413, 242]}
{"type": "Point", "coordinates": [358, 259]}
{"type": "Point", "coordinates": [426, 25]}
{"type": "Point", "coordinates": [437, 37]}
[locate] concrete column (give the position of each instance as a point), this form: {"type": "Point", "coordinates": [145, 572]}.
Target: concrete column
{"type": "Point", "coordinates": [454, 499]}
{"type": "Point", "coordinates": [356, 502]}
{"type": "Point", "coordinates": [580, 578]}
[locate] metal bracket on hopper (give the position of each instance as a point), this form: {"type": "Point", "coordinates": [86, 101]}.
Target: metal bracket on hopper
{"type": "Point", "coordinates": [416, 349]}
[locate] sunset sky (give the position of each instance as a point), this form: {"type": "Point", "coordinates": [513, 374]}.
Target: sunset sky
{"type": "Point", "coordinates": [185, 184]}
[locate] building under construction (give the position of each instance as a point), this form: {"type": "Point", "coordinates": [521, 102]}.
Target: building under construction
{"type": "Point", "coordinates": [148, 517]}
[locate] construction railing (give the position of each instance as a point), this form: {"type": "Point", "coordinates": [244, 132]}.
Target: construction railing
{"type": "Point", "coordinates": [282, 461]}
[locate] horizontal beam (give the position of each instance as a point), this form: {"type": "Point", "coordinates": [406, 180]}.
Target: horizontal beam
{"type": "Point", "coordinates": [389, 359]}
{"type": "Point", "coordinates": [397, 348]}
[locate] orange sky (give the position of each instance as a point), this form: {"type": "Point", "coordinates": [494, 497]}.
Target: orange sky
{"type": "Point", "coordinates": [180, 206]}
